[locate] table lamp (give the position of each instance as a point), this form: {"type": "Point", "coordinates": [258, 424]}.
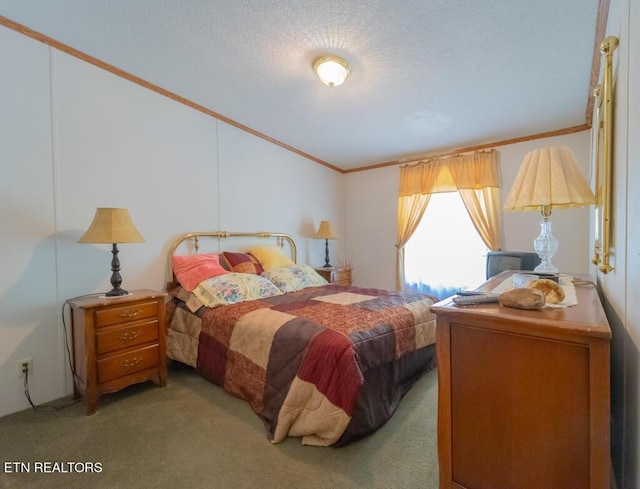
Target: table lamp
{"type": "Point", "coordinates": [112, 226]}
{"type": "Point", "coordinates": [326, 232]}
{"type": "Point", "coordinates": [549, 178]}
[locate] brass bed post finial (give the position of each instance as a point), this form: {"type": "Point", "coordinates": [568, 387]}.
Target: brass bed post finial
{"type": "Point", "coordinates": [609, 45]}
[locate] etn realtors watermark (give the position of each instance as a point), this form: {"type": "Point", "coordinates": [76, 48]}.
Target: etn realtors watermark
{"type": "Point", "coordinates": [51, 467]}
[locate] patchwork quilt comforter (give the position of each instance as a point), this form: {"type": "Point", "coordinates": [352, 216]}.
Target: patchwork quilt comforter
{"type": "Point", "coordinates": [301, 359]}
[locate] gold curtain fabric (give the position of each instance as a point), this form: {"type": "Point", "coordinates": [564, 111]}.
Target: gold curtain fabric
{"type": "Point", "coordinates": [483, 206]}
{"type": "Point", "coordinates": [474, 171]}
{"type": "Point", "coordinates": [410, 211]}
{"type": "Point", "coordinates": [474, 176]}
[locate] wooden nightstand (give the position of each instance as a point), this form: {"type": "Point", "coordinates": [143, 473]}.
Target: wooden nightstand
{"type": "Point", "coordinates": [117, 342]}
{"type": "Point", "coordinates": [336, 275]}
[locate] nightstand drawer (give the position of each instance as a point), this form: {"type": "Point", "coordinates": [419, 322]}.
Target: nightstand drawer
{"type": "Point", "coordinates": [341, 276]}
{"type": "Point", "coordinates": [125, 313]}
{"type": "Point", "coordinates": [127, 363]}
{"type": "Point", "coordinates": [111, 339]}
{"type": "Point", "coordinates": [334, 275]}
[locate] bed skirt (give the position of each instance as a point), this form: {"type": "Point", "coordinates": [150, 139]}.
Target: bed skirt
{"type": "Point", "coordinates": [382, 391]}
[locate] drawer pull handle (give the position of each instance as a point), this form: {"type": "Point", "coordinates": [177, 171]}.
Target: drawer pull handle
{"type": "Point", "coordinates": [131, 363]}
{"type": "Point", "coordinates": [128, 336]}
{"type": "Point", "coordinates": [130, 314]}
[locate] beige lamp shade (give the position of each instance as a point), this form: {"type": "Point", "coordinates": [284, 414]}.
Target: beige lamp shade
{"type": "Point", "coordinates": [326, 231]}
{"type": "Point", "coordinates": [549, 178]}
{"type": "Point", "coordinates": [111, 225]}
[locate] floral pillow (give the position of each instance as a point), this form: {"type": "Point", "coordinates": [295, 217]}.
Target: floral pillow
{"type": "Point", "coordinates": [296, 277]}
{"type": "Point", "coordinates": [234, 287]}
{"type": "Point", "coordinates": [190, 270]}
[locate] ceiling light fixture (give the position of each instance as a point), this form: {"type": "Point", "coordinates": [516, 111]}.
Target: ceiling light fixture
{"type": "Point", "coordinates": [332, 70]}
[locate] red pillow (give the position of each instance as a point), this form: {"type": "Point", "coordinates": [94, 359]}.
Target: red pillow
{"type": "Point", "coordinates": [190, 270]}
{"type": "Point", "coordinates": [242, 262]}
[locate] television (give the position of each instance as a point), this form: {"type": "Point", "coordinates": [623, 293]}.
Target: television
{"type": "Point", "coordinates": [499, 261]}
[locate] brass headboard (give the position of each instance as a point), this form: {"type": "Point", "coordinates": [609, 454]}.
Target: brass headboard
{"type": "Point", "coordinates": [194, 238]}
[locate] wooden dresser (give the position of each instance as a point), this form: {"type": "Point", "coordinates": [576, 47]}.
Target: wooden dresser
{"type": "Point", "coordinates": [523, 395]}
{"type": "Point", "coordinates": [336, 275]}
{"type": "Point", "coordinates": [117, 342]}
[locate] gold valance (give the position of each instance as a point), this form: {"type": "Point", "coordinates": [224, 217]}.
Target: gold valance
{"type": "Point", "coordinates": [473, 171]}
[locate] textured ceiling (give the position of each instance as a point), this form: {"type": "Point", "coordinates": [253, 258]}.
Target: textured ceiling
{"type": "Point", "coordinates": [427, 76]}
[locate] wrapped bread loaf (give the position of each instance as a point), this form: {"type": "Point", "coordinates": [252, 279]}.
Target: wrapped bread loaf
{"type": "Point", "coordinates": [522, 298]}
{"type": "Point", "coordinates": [553, 293]}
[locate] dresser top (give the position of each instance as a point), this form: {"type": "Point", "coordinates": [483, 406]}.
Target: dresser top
{"type": "Point", "coordinates": [586, 318]}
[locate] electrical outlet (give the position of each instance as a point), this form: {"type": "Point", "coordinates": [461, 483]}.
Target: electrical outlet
{"type": "Point", "coordinates": [28, 362]}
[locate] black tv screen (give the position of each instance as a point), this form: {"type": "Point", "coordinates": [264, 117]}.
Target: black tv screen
{"type": "Point", "coordinates": [499, 261]}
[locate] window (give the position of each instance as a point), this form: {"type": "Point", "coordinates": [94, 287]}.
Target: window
{"type": "Point", "coordinates": [445, 254]}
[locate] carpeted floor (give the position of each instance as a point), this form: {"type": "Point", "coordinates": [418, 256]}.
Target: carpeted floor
{"type": "Point", "coordinates": [192, 434]}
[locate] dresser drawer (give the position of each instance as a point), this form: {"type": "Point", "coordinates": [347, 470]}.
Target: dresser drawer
{"type": "Point", "coordinates": [111, 339]}
{"type": "Point", "coordinates": [127, 363]}
{"type": "Point", "coordinates": [124, 313]}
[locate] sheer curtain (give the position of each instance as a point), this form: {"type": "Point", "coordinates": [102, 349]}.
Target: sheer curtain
{"type": "Point", "coordinates": [475, 176]}
{"type": "Point", "coordinates": [445, 253]}
{"type": "Point", "coordinates": [410, 211]}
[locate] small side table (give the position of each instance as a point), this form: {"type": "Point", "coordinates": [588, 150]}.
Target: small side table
{"type": "Point", "coordinates": [336, 275]}
{"type": "Point", "coordinates": [117, 342]}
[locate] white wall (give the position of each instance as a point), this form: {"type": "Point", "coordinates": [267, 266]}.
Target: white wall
{"type": "Point", "coordinates": [371, 199]}
{"type": "Point", "coordinates": [74, 138]}
{"type": "Point", "coordinates": [28, 287]}
{"type": "Point", "coordinates": [621, 287]}
{"type": "Point", "coordinates": [371, 210]}
{"type": "Point", "coordinates": [265, 188]}
{"type": "Point", "coordinates": [119, 145]}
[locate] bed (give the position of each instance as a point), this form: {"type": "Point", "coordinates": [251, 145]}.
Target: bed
{"type": "Point", "coordinates": [323, 362]}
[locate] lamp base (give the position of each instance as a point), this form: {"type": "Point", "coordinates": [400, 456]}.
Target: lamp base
{"type": "Point", "coordinates": [116, 278]}
{"type": "Point", "coordinates": [326, 254]}
{"type": "Point", "coordinates": [546, 246]}
{"type": "Point", "coordinates": [548, 268]}
{"type": "Point", "coordinates": [116, 292]}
